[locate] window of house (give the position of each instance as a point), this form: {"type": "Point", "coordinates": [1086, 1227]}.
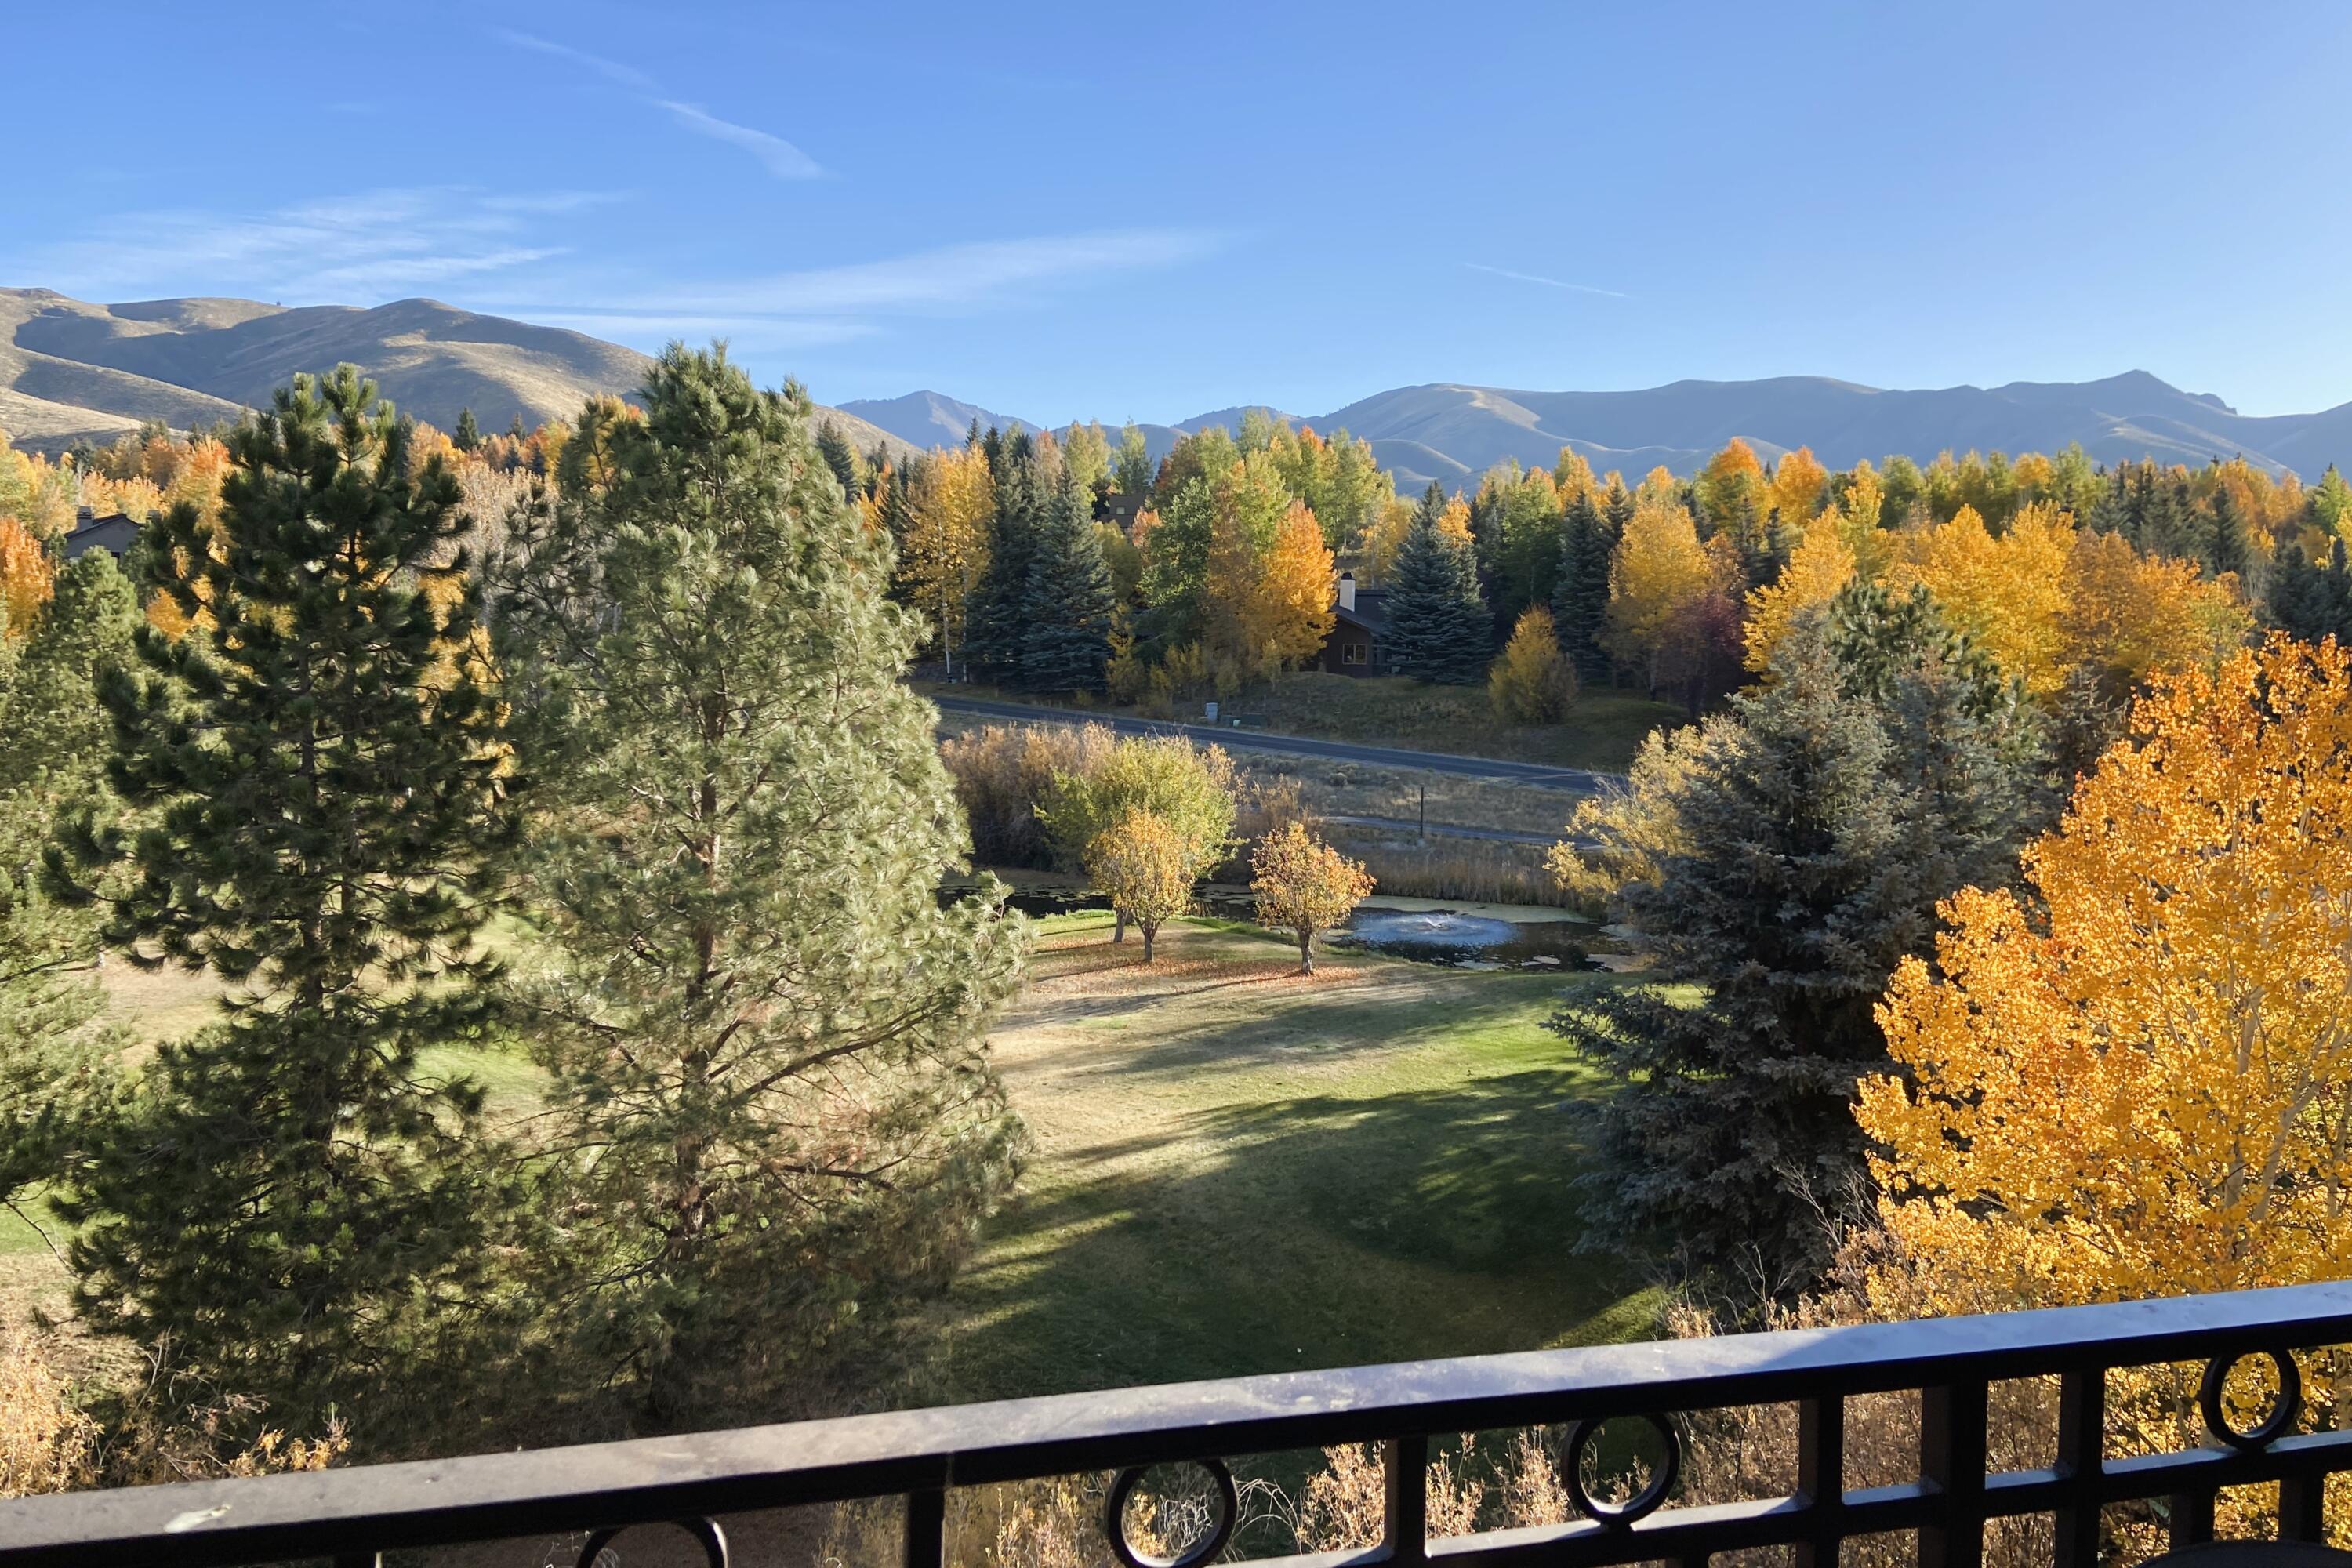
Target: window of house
{"type": "Point", "coordinates": [1351, 653]}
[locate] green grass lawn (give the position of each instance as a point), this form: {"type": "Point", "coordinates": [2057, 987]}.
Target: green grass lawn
{"type": "Point", "coordinates": [1235, 1169]}
{"type": "Point", "coordinates": [1239, 1171]}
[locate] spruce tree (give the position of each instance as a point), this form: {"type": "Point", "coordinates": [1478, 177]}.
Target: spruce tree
{"type": "Point", "coordinates": [848, 465]}
{"type": "Point", "coordinates": [1793, 850]}
{"type": "Point", "coordinates": [2312, 601]}
{"type": "Point", "coordinates": [1439, 628]}
{"type": "Point", "coordinates": [1067, 608]}
{"type": "Point", "coordinates": [2227, 549]}
{"type": "Point", "coordinates": [994, 628]}
{"type": "Point", "coordinates": [297, 1201]}
{"type": "Point", "coordinates": [1580, 599]}
{"type": "Point", "coordinates": [762, 1026]}
{"type": "Point", "coordinates": [468, 434]}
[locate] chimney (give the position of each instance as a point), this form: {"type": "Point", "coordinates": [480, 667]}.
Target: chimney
{"type": "Point", "coordinates": [83, 515]}
{"type": "Point", "coordinates": [1348, 591]}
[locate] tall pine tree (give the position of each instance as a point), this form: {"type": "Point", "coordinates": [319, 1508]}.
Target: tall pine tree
{"type": "Point", "coordinates": [1581, 600]}
{"type": "Point", "coordinates": [1439, 627]}
{"type": "Point", "coordinates": [995, 632]}
{"type": "Point", "coordinates": [1069, 602]}
{"type": "Point", "coordinates": [298, 1202]}
{"type": "Point", "coordinates": [761, 1024]}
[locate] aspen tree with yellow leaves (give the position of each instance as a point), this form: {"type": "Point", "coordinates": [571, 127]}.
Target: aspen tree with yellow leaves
{"type": "Point", "coordinates": [2132, 1084]}
{"type": "Point", "coordinates": [2009, 593]}
{"type": "Point", "coordinates": [1822, 566]}
{"type": "Point", "coordinates": [947, 541]}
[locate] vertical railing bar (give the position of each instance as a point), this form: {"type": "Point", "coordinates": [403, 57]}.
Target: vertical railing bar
{"type": "Point", "coordinates": [1821, 1477]}
{"type": "Point", "coordinates": [1404, 1519]}
{"type": "Point", "coordinates": [2302, 1508]}
{"type": "Point", "coordinates": [2082, 1456]}
{"type": "Point", "coordinates": [927, 1529]}
{"type": "Point", "coordinates": [2191, 1522]}
{"type": "Point", "coordinates": [1952, 1457]}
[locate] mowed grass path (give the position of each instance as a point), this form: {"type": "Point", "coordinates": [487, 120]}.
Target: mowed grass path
{"type": "Point", "coordinates": [1240, 1170]}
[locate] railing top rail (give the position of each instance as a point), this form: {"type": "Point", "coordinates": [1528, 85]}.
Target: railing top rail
{"type": "Point", "coordinates": [485, 1496]}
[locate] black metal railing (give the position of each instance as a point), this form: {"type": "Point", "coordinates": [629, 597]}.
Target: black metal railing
{"type": "Point", "coordinates": [350, 1516]}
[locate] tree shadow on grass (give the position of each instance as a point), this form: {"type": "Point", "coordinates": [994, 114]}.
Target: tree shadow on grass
{"type": "Point", "coordinates": [1321, 1230]}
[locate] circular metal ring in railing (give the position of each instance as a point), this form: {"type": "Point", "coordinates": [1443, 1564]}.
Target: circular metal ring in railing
{"type": "Point", "coordinates": [2280, 1419]}
{"type": "Point", "coordinates": [705, 1532]}
{"type": "Point", "coordinates": [1642, 1504]}
{"type": "Point", "coordinates": [1122, 1486]}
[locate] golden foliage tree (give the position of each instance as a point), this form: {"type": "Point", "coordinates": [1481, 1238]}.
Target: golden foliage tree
{"type": "Point", "coordinates": [1822, 566]}
{"type": "Point", "coordinates": [1291, 608]}
{"type": "Point", "coordinates": [2008, 593]}
{"type": "Point", "coordinates": [26, 578]}
{"type": "Point", "coordinates": [1797, 485]}
{"type": "Point", "coordinates": [1303, 886]}
{"type": "Point", "coordinates": [1145, 866]}
{"type": "Point", "coordinates": [2136, 1088]}
{"type": "Point", "coordinates": [1659, 568]}
{"type": "Point", "coordinates": [1531, 682]}
{"type": "Point", "coordinates": [947, 539]}
{"type": "Point", "coordinates": [2127, 614]}
{"type": "Point", "coordinates": [1384, 537]}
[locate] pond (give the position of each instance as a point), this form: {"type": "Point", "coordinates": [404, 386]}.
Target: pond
{"type": "Point", "coordinates": [1443, 937]}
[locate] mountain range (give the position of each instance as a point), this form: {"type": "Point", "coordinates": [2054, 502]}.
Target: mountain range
{"type": "Point", "coordinates": [1453, 433]}
{"type": "Point", "coordinates": [71, 369]}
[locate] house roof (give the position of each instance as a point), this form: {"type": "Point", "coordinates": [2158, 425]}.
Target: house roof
{"type": "Point", "coordinates": [1370, 613]}
{"type": "Point", "coordinates": [114, 534]}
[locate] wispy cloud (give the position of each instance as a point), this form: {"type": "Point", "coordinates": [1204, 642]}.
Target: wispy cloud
{"type": "Point", "coordinates": [364, 246]}
{"type": "Point", "coordinates": [781, 159]}
{"type": "Point", "coordinates": [951, 277]}
{"type": "Point", "coordinates": [1547, 282]}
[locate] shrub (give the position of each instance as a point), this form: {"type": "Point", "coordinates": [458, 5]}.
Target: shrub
{"type": "Point", "coordinates": [1002, 772]}
{"type": "Point", "coordinates": [1531, 682]}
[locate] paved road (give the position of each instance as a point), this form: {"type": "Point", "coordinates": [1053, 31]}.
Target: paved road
{"type": "Point", "coordinates": [1443, 829]}
{"type": "Point", "coordinates": [1577, 781]}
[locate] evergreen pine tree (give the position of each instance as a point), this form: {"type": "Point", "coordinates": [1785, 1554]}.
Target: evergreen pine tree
{"type": "Point", "coordinates": [2111, 512]}
{"type": "Point", "coordinates": [296, 1201]}
{"type": "Point", "coordinates": [848, 465]}
{"type": "Point", "coordinates": [1581, 600]}
{"type": "Point", "coordinates": [1067, 610]}
{"type": "Point", "coordinates": [58, 736]}
{"type": "Point", "coordinates": [1788, 903]}
{"type": "Point", "coordinates": [1439, 628]}
{"type": "Point", "coordinates": [994, 630]}
{"type": "Point", "coordinates": [2312, 601]}
{"type": "Point", "coordinates": [515, 432]}
{"type": "Point", "coordinates": [468, 434]}
{"type": "Point", "coordinates": [2227, 549]}
{"type": "Point", "coordinates": [763, 1026]}
{"type": "Point", "coordinates": [1793, 850]}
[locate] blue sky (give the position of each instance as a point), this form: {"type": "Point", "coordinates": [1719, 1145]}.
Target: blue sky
{"type": "Point", "coordinates": [1116, 211]}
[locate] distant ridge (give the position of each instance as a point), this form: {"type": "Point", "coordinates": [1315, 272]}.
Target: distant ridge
{"type": "Point", "coordinates": [1452, 432]}
{"type": "Point", "coordinates": [71, 369]}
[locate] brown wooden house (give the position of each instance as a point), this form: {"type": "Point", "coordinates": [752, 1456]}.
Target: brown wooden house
{"type": "Point", "coordinates": [1359, 621]}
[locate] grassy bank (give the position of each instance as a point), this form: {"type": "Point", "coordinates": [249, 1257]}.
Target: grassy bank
{"type": "Point", "coordinates": [1238, 1170]}
{"type": "Point", "coordinates": [1602, 731]}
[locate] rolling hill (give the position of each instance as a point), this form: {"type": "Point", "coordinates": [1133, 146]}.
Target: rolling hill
{"type": "Point", "coordinates": [1453, 432]}
{"type": "Point", "coordinates": [71, 369]}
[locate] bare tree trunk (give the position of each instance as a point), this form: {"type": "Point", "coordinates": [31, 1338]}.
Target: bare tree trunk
{"type": "Point", "coordinates": [1305, 950]}
{"type": "Point", "coordinates": [1150, 930]}
{"type": "Point", "coordinates": [1118, 926]}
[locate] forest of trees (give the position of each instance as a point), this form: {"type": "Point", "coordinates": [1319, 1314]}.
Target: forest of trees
{"type": "Point", "coordinates": [2014, 807]}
